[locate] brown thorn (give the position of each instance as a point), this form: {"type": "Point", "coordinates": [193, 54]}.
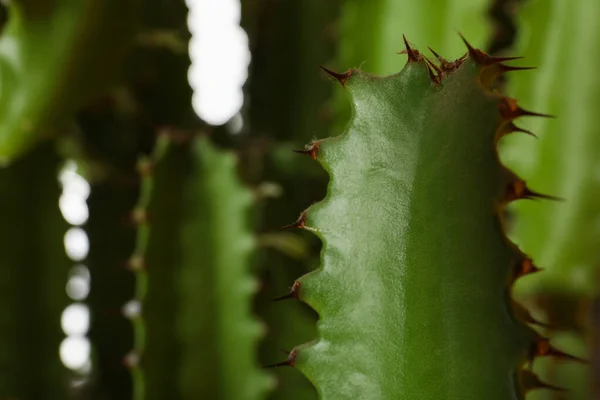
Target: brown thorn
{"type": "Point", "coordinates": [434, 78]}
{"type": "Point", "coordinates": [299, 224]}
{"type": "Point", "coordinates": [518, 190]}
{"type": "Point", "coordinates": [508, 68]}
{"type": "Point", "coordinates": [473, 52]}
{"type": "Point", "coordinates": [530, 381]}
{"type": "Point", "coordinates": [310, 150]}
{"type": "Point", "coordinates": [510, 127]}
{"type": "Point", "coordinates": [293, 294]}
{"type": "Point", "coordinates": [509, 110]}
{"type": "Point", "coordinates": [543, 348]}
{"type": "Point", "coordinates": [440, 58]}
{"type": "Point", "coordinates": [525, 267]}
{"type": "Point", "coordinates": [413, 55]}
{"type": "Point", "coordinates": [341, 77]}
{"type": "Point", "coordinates": [482, 58]}
{"type": "Point", "coordinates": [289, 362]}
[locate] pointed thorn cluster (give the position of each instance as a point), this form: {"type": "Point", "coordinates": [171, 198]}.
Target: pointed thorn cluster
{"type": "Point", "coordinates": [293, 294]}
{"type": "Point", "coordinates": [311, 150]}
{"type": "Point", "coordinates": [340, 77]}
{"type": "Point", "coordinates": [289, 362]}
{"type": "Point", "coordinates": [530, 381]}
{"type": "Point", "coordinates": [299, 224]}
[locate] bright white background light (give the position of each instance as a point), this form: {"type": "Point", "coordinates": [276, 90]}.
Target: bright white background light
{"type": "Point", "coordinates": [220, 58]}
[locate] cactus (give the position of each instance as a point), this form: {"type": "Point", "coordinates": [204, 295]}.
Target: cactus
{"type": "Point", "coordinates": [30, 367]}
{"type": "Point", "coordinates": [417, 312]}
{"type": "Point", "coordinates": [195, 337]}
{"type": "Point", "coordinates": [563, 237]}
{"type": "Point", "coordinates": [54, 56]}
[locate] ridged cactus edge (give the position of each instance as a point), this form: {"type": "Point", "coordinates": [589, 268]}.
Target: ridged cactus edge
{"type": "Point", "coordinates": [195, 335]}
{"type": "Point", "coordinates": [414, 289]}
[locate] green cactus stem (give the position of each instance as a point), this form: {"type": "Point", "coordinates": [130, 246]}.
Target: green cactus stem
{"type": "Point", "coordinates": [414, 289]}
{"type": "Point", "coordinates": [195, 337]}
{"type": "Point", "coordinates": [33, 268]}
{"type": "Point", "coordinates": [563, 237]}
{"type": "Point", "coordinates": [55, 55]}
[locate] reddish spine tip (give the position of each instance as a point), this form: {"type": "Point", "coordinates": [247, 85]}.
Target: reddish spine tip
{"type": "Point", "coordinates": [311, 150]}
{"type": "Point", "coordinates": [293, 294]}
{"type": "Point", "coordinates": [341, 77]}
{"type": "Point", "coordinates": [299, 224]}
{"type": "Point", "coordinates": [289, 362]}
{"type": "Point", "coordinates": [413, 55]}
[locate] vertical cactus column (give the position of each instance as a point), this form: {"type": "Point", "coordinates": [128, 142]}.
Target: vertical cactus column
{"type": "Point", "coordinates": [195, 337]}
{"type": "Point", "coordinates": [562, 39]}
{"type": "Point", "coordinates": [414, 289]}
{"type": "Point", "coordinates": [33, 273]}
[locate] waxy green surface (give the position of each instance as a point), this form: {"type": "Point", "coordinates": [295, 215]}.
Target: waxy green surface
{"type": "Point", "coordinates": [196, 336]}
{"type": "Point", "coordinates": [413, 290]}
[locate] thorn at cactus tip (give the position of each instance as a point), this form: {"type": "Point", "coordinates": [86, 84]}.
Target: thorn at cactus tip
{"type": "Point", "coordinates": [300, 223]}
{"type": "Point", "coordinates": [289, 362]}
{"type": "Point", "coordinates": [413, 55]}
{"type": "Point", "coordinates": [341, 77]}
{"type": "Point", "coordinates": [519, 190]}
{"type": "Point", "coordinates": [293, 294]}
{"type": "Point", "coordinates": [311, 150]}
{"type": "Point", "coordinates": [509, 110]}
{"type": "Point", "coordinates": [483, 58]}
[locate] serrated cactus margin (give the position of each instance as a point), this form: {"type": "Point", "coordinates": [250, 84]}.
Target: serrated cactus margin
{"type": "Point", "coordinates": [195, 336]}
{"type": "Point", "coordinates": [414, 289]}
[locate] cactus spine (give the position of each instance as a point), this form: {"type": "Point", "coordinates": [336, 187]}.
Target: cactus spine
{"type": "Point", "coordinates": [417, 313]}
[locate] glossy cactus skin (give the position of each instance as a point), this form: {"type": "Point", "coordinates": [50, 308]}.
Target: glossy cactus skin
{"type": "Point", "coordinates": [54, 55]}
{"type": "Point", "coordinates": [196, 337]}
{"type": "Point", "coordinates": [33, 268]}
{"type": "Point", "coordinates": [425, 307]}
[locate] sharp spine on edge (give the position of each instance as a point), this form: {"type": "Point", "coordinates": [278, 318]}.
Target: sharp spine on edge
{"type": "Point", "coordinates": [289, 362]}
{"type": "Point", "coordinates": [299, 224]}
{"type": "Point", "coordinates": [341, 77]}
{"type": "Point", "coordinates": [293, 294]}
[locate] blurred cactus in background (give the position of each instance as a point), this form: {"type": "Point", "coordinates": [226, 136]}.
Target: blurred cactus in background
{"type": "Point", "coordinates": [149, 159]}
